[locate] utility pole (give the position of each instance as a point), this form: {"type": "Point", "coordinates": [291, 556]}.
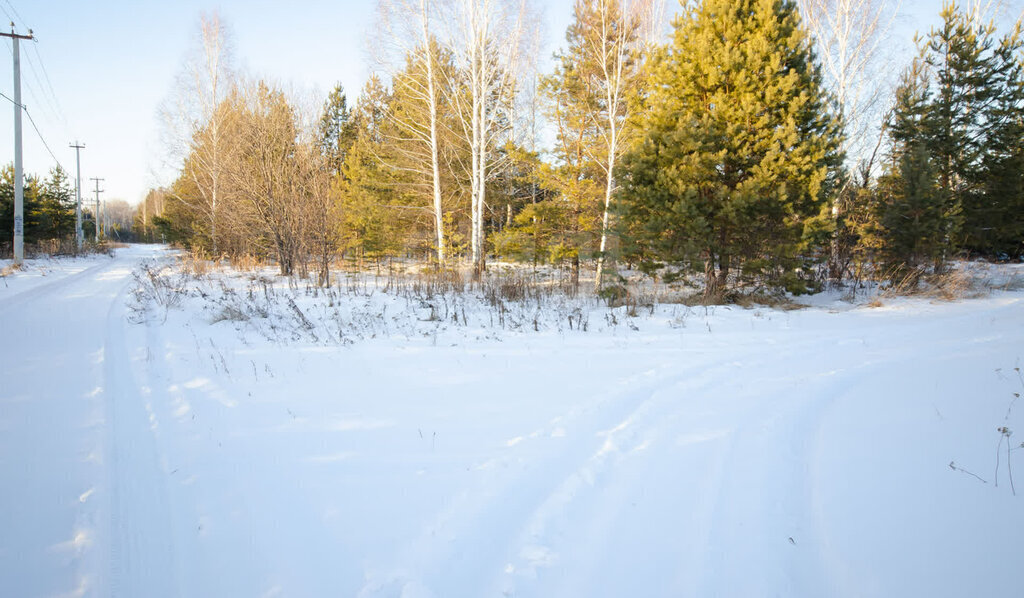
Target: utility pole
{"type": "Point", "coordinates": [19, 179]}
{"type": "Point", "coordinates": [96, 216]}
{"type": "Point", "coordinates": [78, 193]}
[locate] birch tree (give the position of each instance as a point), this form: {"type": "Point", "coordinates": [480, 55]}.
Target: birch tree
{"type": "Point", "coordinates": [980, 12]}
{"type": "Point", "coordinates": [848, 35]}
{"type": "Point", "coordinates": [196, 123]}
{"type": "Point", "coordinates": [598, 72]}
{"type": "Point", "coordinates": [485, 38]}
{"type": "Point", "coordinates": [406, 27]}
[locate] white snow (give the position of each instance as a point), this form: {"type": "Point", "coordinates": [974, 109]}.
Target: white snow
{"type": "Point", "coordinates": [326, 449]}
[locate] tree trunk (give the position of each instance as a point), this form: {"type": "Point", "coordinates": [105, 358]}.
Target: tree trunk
{"type": "Point", "coordinates": [434, 160]}
{"type": "Point", "coordinates": [710, 280]}
{"type": "Point", "coordinates": [608, 188]}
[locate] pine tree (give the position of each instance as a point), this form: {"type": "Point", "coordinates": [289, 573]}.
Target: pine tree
{"type": "Point", "coordinates": [968, 116]}
{"type": "Point", "coordinates": [910, 227]}
{"type": "Point", "coordinates": [37, 223]}
{"type": "Point", "coordinates": [336, 130]}
{"type": "Point", "coordinates": [560, 215]}
{"type": "Point", "coordinates": [56, 217]}
{"type": "Point", "coordinates": [740, 145]}
{"type": "Point", "coordinates": [995, 222]}
{"type": "Point", "coordinates": [371, 202]}
{"type": "Point", "coordinates": [959, 54]}
{"type": "Point", "coordinates": [912, 218]}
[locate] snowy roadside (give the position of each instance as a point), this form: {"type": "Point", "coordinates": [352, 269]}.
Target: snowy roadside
{"type": "Point", "coordinates": [384, 440]}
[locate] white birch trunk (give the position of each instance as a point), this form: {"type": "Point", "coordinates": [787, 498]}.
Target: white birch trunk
{"type": "Point", "coordinates": [435, 165]}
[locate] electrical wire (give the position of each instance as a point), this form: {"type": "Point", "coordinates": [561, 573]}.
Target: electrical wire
{"type": "Point", "coordinates": [47, 98]}
{"type": "Point", "coordinates": [36, 128]}
{"type": "Point", "coordinates": [41, 97]}
{"type": "Point", "coordinates": [49, 85]}
{"type": "Point", "coordinates": [4, 96]}
{"type": "Point", "coordinates": [46, 145]}
{"type": "Point", "coordinates": [15, 10]}
{"type": "Point", "coordinates": [31, 92]}
{"type": "Point", "coordinates": [52, 103]}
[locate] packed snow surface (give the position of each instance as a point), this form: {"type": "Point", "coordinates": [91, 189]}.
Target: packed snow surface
{"type": "Point", "coordinates": [365, 444]}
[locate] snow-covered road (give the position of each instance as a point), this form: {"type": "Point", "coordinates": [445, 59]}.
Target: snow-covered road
{"type": "Point", "coordinates": [67, 465]}
{"type": "Point", "coordinates": [722, 453]}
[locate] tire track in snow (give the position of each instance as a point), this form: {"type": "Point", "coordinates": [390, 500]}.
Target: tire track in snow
{"type": "Point", "coordinates": [636, 450]}
{"type": "Point", "coordinates": [628, 448]}
{"type": "Point", "coordinates": [765, 498]}
{"type": "Point", "coordinates": [64, 407]}
{"type": "Point", "coordinates": [142, 555]}
{"type": "Point", "coordinates": [771, 490]}
{"type": "Point", "coordinates": [525, 512]}
{"type": "Point", "coordinates": [60, 283]}
{"type": "Point", "coordinates": [525, 505]}
{"type": "Point", "coordinates": [229, 531]}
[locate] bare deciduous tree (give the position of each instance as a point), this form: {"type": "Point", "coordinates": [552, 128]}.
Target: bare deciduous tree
{"type": "Point", "coordinates": [195, 121]}
{"type": "Point", "coordinates": [264, 174]}
{"type": "Point", "coordinates": [848, 34]}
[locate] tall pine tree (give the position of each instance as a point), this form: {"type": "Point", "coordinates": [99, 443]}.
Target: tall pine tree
{"type": "Point", "coordinates": [963, 67]}
{"type": "Point", "coordinates": [914, 210]}
{"type": "Point", "coordinates": [336, 130]}
{"type": "Point", "coordinates": [995, 224]}
{"type": "Point", "coordinates": [741, 146]}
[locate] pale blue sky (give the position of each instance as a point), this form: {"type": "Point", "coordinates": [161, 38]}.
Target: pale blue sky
{"type": "Point", "coordinates": [110, 63]}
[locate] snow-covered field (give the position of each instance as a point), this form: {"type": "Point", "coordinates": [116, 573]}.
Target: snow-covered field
{"type": "Point", "coordinates": [256, 440]}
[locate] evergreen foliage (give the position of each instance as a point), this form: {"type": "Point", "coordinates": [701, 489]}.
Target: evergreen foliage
{"type": "Point", "coordinates": [954, 182]}
{"type": "Point", "coordinates": [336, 130]}
{"type": "Point", "coordinates": [995, 219]}
{"type": "Point", "coordinates": [916, 211]}
{"type": "Point", "coordinates": [740, 150]}
{"type": "Point", "coordinates": [48, 208]}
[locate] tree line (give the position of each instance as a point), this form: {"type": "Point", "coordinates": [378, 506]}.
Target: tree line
{"type": "Point", "coordinates": [49, 213]}
{"type": "Point", "coordinates": [49, 207]}
{"type": "Point", "coordinates": [728, 152]}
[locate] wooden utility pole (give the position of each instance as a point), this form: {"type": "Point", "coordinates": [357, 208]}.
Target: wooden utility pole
{"type": "Point", "coordinates": [78, 194]}
{"type": "Point", "coordinates": [19, 179]}
{"type": "Point", "coordinates": [96, 215]}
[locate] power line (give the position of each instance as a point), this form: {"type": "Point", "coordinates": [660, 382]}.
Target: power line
{"type": "Point", "coordinates": [38, 133]}
{"type": "Point", "coordinates": [16, 13]}
{"type": "Point", "coordinates": [4, 96]}
{"type": "Point", "coordinates": [46, 145]}
{"type": "Point", "coordinates": [53, 107]}
{"type": "Point", "coordinates": [46, 76]}
{"type": "Point", "coordinates": [48, 97]}
{"type": "Point", "coordinates": [43, 100]}
{"type": "Point", "coordinates": [27, 86]}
